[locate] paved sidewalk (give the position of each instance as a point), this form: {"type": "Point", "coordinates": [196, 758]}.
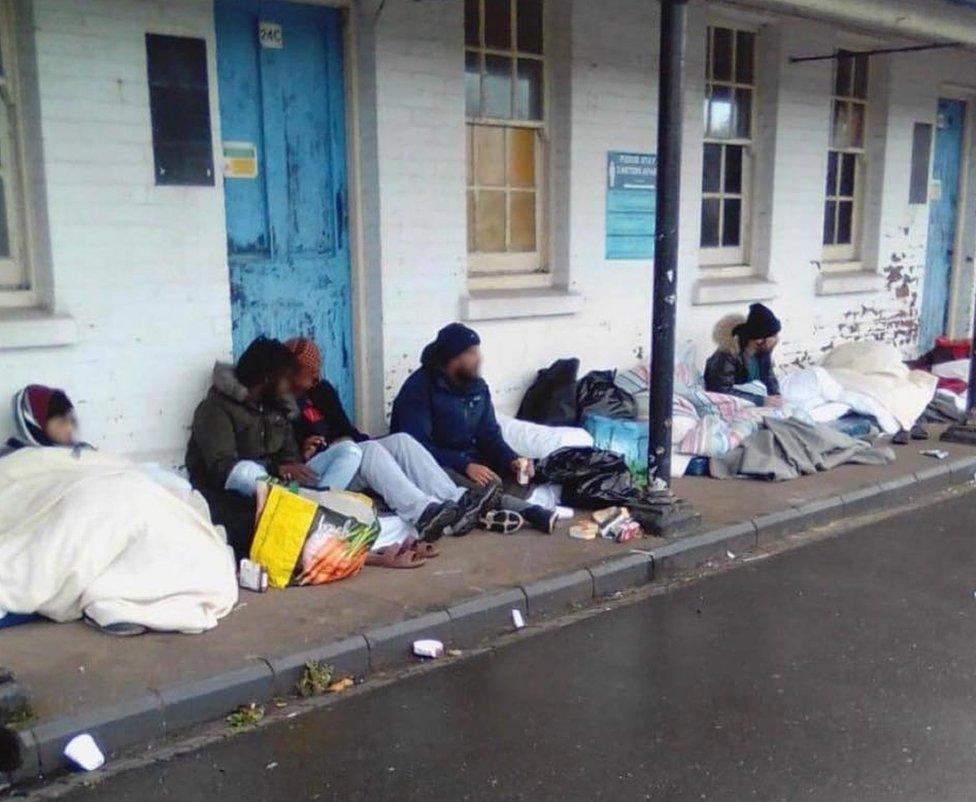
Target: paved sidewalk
{"type": "Point", "coordinates": [130, 691]}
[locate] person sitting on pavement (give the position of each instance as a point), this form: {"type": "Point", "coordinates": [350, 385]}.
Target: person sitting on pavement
{"type": "Point", "coordinates": [396, 467]}
{"type": "Point", "coordinates": [241, 435]}
{"type": "Point", "coordinates": [43, 416]}
{"type": "Point", "coordinates": [744, 355]}
{"type": "Point", "coordinates": [446, 406]}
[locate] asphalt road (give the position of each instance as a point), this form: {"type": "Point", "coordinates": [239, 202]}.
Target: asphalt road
{"type": "Point", "coordinates": [845, 670]}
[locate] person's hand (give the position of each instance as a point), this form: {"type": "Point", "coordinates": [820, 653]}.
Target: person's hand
{"type": "Point", "coordinates": [296, 472]}
{"type": "Point", "coordinates": [516, 465]}
{"type": "Point", "coordinates": [773, 401]}
{"type": "Point", "coordinates": [311, 446]}
{"type": "Point", "coordinates": [481, 474]}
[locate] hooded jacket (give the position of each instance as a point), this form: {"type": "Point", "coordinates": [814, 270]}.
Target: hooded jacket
{"type": "Point", "coordinates": [227, 429]}
{"type": "Point", "coordinates": [455, 423]}
{"type": "Point", "coordinates": [727, 366]}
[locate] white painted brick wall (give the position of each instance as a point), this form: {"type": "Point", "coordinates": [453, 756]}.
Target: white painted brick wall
{"type": "Point", "coordinates": [141, 268]}
{"type": "Point", "coordinates": [610, 85]}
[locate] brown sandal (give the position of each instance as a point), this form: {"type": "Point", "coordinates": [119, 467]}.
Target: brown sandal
{"type": "Point", "coordinates": [426, 550]}
{"type": "Point", "coordinates": [395, 557]}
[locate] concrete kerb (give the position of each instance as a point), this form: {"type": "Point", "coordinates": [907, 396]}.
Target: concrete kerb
{"type": "Point", "coordinates": [162, 711]}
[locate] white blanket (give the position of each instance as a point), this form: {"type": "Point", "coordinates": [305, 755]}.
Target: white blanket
{"type": "Point", "coordinates": [876, 371]}
{"type": "Point", "coordinates": [535, 441]}
{"type": "Point", "coordinates": [91, 533]}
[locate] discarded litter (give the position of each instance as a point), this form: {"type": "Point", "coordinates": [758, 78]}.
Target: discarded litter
{"type": "Point", "coordinates": [271, 766]}
{"type": "Point", "coordinates": [584, 531]}
{"type": "Point", "coordinates": [730, 555]}
{"type": "Point", "coordinates": [341, 685]}
{"type": "Point", "coordinates": [431, 649]}
{"type": "Point", "coordinates": [517, 619]}
{"type": "Point", "coordinates": [454, 652]}
{"type": "Point", "coordinates": [83, 751]}
{"type": "Point", "coordinates": [938, 453]}
{"type": "Point", "coordinates": [616, 523]}
{"type": "Point", "coordinates": [252, 576]}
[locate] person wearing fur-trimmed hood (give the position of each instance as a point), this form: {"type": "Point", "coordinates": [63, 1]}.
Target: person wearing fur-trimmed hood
{"type": "Point", "coordinates": [745, 354]}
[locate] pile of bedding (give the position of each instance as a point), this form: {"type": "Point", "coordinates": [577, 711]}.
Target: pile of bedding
{"type": "Point", "coordinates": [87, 533]}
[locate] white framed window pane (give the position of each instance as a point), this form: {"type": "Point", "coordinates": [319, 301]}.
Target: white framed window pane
{"type": "Point", "coordinates": [491, 223]}
{"type": "Point", "coordinates": [860, 88]}
{"type": "Point", "coordinates": [855, 125]}
{"type": "Point", "coordinates": [472, 23]}
{"type": "Point", "coordinates": [489, 155]}
{"type": "Point", "coordinates": [848, 175]}
{"type": "Point", "coordinates": [840, 124]}
{"type": "Point", "coordinates": [733, 169]}
{"type": "Point", "coordinates": [731, 221]}
{"type": "Point", "coordinates": [498, 24]}
{"type": "Point", "coordinates": [843, 74]}
{"type": "Point", "coordinates": [521, 215]}
{"type": "Point", "coordinates": [743, 113]}
{"type": "Point", "coordinates": [521, 158]}
{"type": "Point", "coordinates": [528, 90]}
{"type": "Point", "coordinates": [712, 168]}
{"type": "Point", "coordinates": [720, 113]}
{"type": "Point", "coordinates": [745, 46]}
{"type": "Point", "coordinates": [845, 222]}
{"type": "Point", "coordinates": [711, 214]}
{"type": "Point", "coordinates": [830, 221]}
{"type": "Point", "coordinates": [529, 27]}
{"type": "Point", "coordinates": [497, 87]}
{"type": "Point", "coordinates": [832, 158]}
{"type": "Point", "coordinates": [722, 54]}
{"type": "Point", "coordinates": [472, 84]}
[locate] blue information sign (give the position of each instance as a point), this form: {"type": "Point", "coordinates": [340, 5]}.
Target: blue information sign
{"type": "Point", "coordinates": [631, 205]}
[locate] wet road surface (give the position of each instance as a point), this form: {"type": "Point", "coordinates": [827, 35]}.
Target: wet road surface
{"type": "Point", "coordinates": [844, 670]}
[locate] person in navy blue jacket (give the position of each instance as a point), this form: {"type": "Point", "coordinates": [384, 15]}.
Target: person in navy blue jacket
{"type": "Point", "coordinates": [447, 407]}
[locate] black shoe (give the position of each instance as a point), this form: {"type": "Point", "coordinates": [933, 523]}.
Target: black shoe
{"type": "Point", "coordinates": [919, 433]}
{"type": "Point", "coordinates": [900, 438]}
{"type": "Point", "coordinates": [436, 521]}
{"type": "Point", "coordinates": [540, 518]}
{"type": "Point", "coordinates": [472, 505]}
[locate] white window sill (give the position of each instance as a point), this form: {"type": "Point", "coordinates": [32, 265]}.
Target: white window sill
{"type": "Point", "coordinates": [507, 304]}
{"type": "Point", "coordinates": [847, 282]}
{"type": "Point", "coordinates": [714, 291]}
{"type": "Point", "coordinates": [35, 328]}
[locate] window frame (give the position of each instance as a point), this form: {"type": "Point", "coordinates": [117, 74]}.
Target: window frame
{"type": "Point", "coordinates": [522, 268]}
{"type": "Point", "coordinates": [731, 255]}
{"type": "Point", "coordinates": [847, 252]}
{"type": "Point", "coordinates": [16, 271]}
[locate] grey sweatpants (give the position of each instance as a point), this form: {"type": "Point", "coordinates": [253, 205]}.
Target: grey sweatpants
{"type": "Point", "coordinates": [405, 474]}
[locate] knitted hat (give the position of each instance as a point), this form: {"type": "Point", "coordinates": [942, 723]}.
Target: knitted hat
{"type": "Point", "coordinates": [453, 339]}
{"type": "Point", "coordinates": [34, 406]}
{"type": "Point", "coordinates": [760, 323]}
{"type": "Point", "coordinates": [307, 356]}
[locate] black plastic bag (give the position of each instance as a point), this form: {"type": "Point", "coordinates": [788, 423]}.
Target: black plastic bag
{"type": "Point", "coordinates": [597, 393]}
{"type": "Point", "coordinates": [591, 478]}
{"type": "Point", "coordinates": [551, 398]}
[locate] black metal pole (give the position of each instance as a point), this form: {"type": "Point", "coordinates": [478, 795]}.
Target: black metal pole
{"type": "Point", "coordinates": [669, 124]}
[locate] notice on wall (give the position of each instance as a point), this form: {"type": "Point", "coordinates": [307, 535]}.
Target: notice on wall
{"type": "Point", "coordinates": [240, 160]}
{"type": "Point", "coordinates": [631, 205]}
{"type": "Point", "coordinates": [270, 35]}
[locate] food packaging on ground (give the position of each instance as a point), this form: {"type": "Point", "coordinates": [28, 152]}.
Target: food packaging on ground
{"type": "Point", "coordinates": [252, 576]}
{"type": "Point", "coordinates": [587, 530]}
{"type": "Point", "coordinates": [428, 648]}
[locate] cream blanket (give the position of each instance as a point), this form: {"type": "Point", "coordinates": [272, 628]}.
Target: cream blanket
{"type": "Point", "coordinates": [86, 532]}
{"type": "Point", "coordinates": [876, 370]}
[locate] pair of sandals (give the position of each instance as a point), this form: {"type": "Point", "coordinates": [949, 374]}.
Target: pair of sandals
{"type": "Point", "coordinates": [411, 553]}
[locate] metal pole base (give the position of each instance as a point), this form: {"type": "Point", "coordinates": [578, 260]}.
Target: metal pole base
{"type": "Point", "coordinates": [662, 514]}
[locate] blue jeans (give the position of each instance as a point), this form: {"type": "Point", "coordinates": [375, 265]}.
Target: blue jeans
{"type": "Point", "coordinates": [337, 465]}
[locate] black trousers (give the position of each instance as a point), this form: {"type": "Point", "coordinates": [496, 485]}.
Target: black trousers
{"type": "Point", "coordinates": [236, 514]}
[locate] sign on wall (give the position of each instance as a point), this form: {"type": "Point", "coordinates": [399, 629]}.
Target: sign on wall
{"type": "Point", "coordinates": [240, 160]}
{"type": "Point", "coordinates": [631, 205]}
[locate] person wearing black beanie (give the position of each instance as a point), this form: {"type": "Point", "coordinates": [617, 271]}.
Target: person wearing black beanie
{"type": "Point", "coordinates": [744, 354]}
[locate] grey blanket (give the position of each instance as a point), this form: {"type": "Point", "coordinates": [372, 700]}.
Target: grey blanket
{"type": "Point", "coordinates": [786, 449]}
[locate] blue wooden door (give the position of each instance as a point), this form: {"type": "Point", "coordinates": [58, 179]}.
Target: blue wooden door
{"type": "Point", "coordinates": [282, 96]}
{"type": "Point", "coordinates": [943, 213]}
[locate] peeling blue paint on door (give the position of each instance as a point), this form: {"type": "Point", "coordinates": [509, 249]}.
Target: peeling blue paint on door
{"type": "Point", "coordinates": [287, 242]}
{"type": "Point", "coordinates": [943, 213]}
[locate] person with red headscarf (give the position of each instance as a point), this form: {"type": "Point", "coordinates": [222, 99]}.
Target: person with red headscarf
{"type": "Point", "coordinates": [43, 416]}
